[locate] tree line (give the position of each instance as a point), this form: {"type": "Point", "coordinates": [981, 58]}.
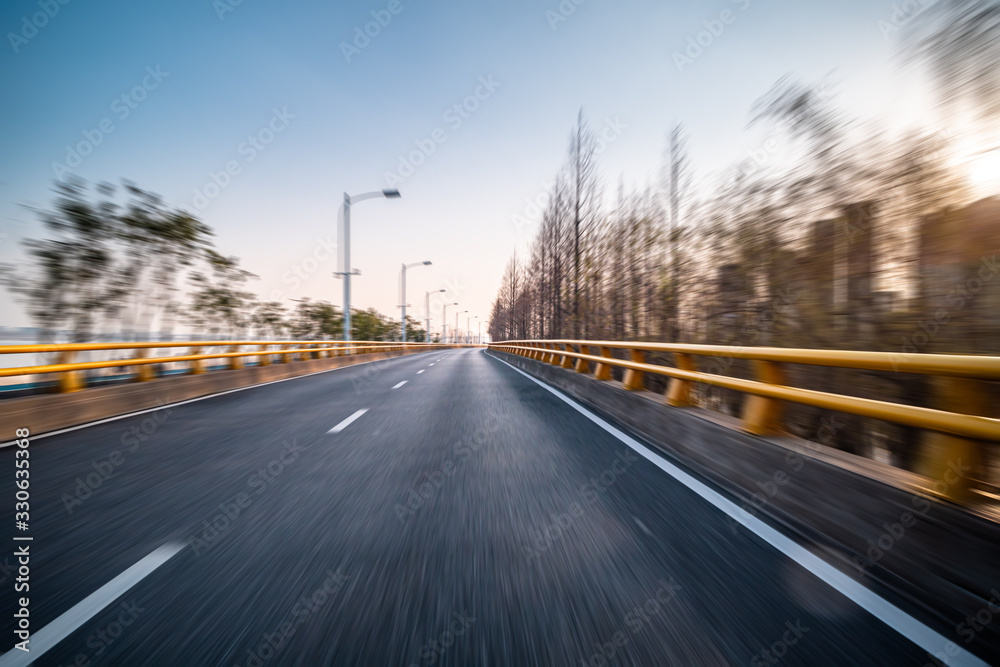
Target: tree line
{"type": "Point", "coordinates": [835, 232]}
{"type": "Point", "coordinates": [682, 256]}
{"type": "Point", "coordinates": [138, 266]}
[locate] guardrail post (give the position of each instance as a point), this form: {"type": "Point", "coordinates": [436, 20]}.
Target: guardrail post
{"type": "Point", "coordinates": [762, 415]}
{"type": "Point", "coordinates": [582, 365]}
{"type": "Point", "coordinates": [567, 361]}
{"type": "Point", "coordinates": [144, 373]}
{"type": "Point", "coordinates": [197, 367]}
{"type": "Point", "coordinates": [679, 391]}
{"type": "Point", "coordinates": [69, 381]}
{"type": "Point", "coordinates": [949, 460]}
{"type": "Point", "coordinates": [264, 359]}
{"type": "Point", "coordinates": [635, 380]}
{"type": "Point", "coordinates": [553, 354]}
{"type": "Point", "coordinates": [603, 371]}
{"type": "Point", "coordinates": [235, 363]}
{"type": "Point", "coordinates": [285, 357]}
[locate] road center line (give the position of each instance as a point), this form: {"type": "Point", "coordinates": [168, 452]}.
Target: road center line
{"type": "Point", "coordinates": [420, 371]}
{"type": "Point", "coordinates": [400, 384]}
{"type": "Point", "coordinates": [90, 606]}
{"type": "Point", "coordinates": [920, 634]}
{"type": "Point", "coordinates": [341, 426]}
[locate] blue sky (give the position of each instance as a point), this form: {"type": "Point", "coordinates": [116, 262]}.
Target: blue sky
{"type": "Point", "coordinates": [227, 70]}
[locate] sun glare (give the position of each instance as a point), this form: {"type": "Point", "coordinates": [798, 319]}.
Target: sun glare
{"type": "Point", "coordinates": [984, 172]}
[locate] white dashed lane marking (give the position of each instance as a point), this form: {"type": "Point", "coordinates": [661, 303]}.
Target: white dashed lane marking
{"type": "Point", "coordinates": [347, 422]}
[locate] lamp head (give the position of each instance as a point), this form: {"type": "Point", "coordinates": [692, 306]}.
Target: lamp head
{"type": "Point", "coordinates": [391, 194]}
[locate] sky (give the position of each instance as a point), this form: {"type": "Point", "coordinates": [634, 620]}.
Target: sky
{"type": "Point", "coordinates": [290, 105]}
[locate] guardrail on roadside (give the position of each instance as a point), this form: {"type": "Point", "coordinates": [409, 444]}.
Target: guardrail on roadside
{"type": "Point", "coordinates": [960, 430]}
{"type": "Point", "coordinates": [70, 371]}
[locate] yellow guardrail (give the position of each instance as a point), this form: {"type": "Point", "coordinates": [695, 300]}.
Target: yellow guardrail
{"type": "Point", "coordinates": [961, 386]}
{"type": "Point", "coordinates": [234, 351]}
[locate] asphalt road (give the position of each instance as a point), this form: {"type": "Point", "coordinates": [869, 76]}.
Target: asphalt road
{"type": "Point", "coordinates": [466, 517]}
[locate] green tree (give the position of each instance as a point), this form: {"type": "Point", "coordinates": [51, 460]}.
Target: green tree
{"type": "Point", "coordinates": [218, 304]}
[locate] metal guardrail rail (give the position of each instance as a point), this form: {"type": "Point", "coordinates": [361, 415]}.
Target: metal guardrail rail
{"type": "Point", "coordinates": [70, 370]}
{"type": "Point", "coordinates": [963, 376]}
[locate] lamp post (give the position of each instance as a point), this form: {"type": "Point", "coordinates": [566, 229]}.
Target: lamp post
{"type": "Point", "coordinates": [427, 312]}
{"type": "Point", "coordinates": [479, 338]}
{"type": "Point", "coordinates": [468, 330]}
{"type": "Point", "coordinates": [402, 302]}
{"type": "Point", "coordinates": [444, 322]}
{"type": "Point", "coordinates": [454, 334]}
{"type": "Point", "coordinates": [346, 243]}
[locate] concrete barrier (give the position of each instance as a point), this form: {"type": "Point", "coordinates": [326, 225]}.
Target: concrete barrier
{"type": "Point", "coordinates": [937, 560]}
{"type": "Point", "coordinates": [51, 412]}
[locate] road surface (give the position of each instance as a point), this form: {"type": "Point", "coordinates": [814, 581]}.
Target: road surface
{"type": "Point", "coordinates": [439, 508]}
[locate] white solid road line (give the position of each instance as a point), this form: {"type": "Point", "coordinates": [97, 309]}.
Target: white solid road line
{"type": "Point", "coordinates": [83, 611]}
{"type": "Point", "coordinates": [420, 371]}
{"type": "Point", "coordinates": [342, 425]}
{"type": "Point", "coordinates": [897, 619]}
{"type": "Point", "coordinates": [400, 384]}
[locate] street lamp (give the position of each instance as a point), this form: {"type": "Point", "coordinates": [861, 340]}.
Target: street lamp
{"type": "Point", "coordinates": [468, 329]}
{"type": "Point", "coordinates": [454, 334]}
{"type": "Point", "coordinates": [402, 303]}
{"type": "Point", "coordinates": [427, 312]}
{"type": "Point", "coordinates": [345, 241]}
{"type": "Point", "coordinates": [444, 322]}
